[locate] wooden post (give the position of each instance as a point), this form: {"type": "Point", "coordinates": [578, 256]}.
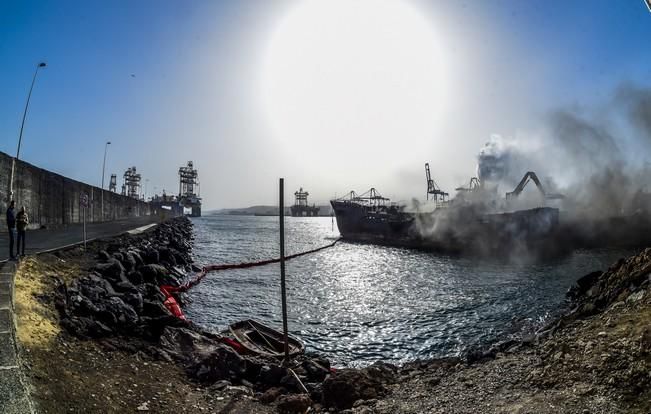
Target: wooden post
{"type": "Point", "coordinates": [281, 214]}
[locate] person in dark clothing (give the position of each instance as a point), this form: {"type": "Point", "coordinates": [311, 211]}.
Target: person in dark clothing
{"type": "Point", "coordinates": [11, 226]}
{"type": "Point", "coordinates": [21, 223]}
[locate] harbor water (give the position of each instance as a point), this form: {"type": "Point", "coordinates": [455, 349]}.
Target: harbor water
{"type": "Point", "coordinates": [359, 303]}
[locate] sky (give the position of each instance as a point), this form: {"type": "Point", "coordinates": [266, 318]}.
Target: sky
{"type": "Point", "coordinates": [331, 95]}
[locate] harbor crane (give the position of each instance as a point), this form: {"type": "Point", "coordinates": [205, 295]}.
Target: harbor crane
{"type": "Point", "coordinates": [531, 176]}
{"type": "Point", "coordinates": [433, 188]}
{"type": "Point", "coordinates": [474, 185]}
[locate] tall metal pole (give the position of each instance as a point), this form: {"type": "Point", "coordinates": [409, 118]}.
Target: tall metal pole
{"type": "Point", "coordinates": [281, 214]}
{"type": "Point", "coordinates": [84, 228]}
{"type": "Point", "coordinates": [20, 136]}
{"type": "Point", "coordinates": [103, 168]}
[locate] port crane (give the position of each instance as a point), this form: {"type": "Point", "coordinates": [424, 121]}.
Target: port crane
{"type": "Point", "coordinates": [474, 185]}
{"type": "Point", "coordinates": [432, 187]}
{"type": "Point", "coordinates": [531, 176]}
{"type": "Point", "coordinates": [371, 198]}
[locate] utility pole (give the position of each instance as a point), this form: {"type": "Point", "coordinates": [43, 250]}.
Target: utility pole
{"type": "Point", "coordinates": [20, 136]}
{"type": "Point", "coordinates": [103, 168]}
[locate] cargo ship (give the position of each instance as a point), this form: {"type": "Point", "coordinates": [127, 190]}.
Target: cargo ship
{"type": "Point", "coordinates": [461, 225]}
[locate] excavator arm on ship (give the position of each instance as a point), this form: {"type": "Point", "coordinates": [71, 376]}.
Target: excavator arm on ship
{"type": "Point", "coordinates": [531, 176]}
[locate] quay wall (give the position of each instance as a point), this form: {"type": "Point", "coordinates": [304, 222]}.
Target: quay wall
{"type": "Point", "coordinates": [52, 200]}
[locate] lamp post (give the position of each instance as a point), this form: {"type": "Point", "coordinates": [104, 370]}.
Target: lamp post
{"type": "Point", "coordinates": [20, 136]}
{"type": "Point", "coordinates": [103, 168]}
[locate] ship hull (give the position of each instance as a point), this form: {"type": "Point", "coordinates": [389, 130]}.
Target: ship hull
{"type": "Point", "coordinates": [460, 230]}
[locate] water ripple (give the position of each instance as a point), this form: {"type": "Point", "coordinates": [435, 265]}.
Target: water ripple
{"type": "Point", "coordinates": [360, 303]}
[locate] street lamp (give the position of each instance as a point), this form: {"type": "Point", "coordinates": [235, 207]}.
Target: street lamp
{"type": "Point", "coordinates": [20, 136]}
{"type": "Point", "coordinates": [103, 168]}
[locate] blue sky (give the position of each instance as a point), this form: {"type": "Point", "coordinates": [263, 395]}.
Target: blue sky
{"type": "Point", "coordinates": [170, 81]}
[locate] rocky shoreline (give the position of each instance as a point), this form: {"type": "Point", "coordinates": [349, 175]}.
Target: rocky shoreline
{"type": "Point", "coordinates": [114, 301]}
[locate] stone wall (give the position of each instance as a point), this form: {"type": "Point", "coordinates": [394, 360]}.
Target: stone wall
{"type": "Point", "coordinates": [53, 200]}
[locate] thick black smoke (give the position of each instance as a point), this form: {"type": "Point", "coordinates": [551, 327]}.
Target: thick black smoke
{"type": "Point", "coordinates": [597, 157]}
{"type": "Point", "coordinates": [637, 102]}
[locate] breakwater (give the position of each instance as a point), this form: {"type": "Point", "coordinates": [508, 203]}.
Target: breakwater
{"type": "Point", "coordinates": [53, 200]}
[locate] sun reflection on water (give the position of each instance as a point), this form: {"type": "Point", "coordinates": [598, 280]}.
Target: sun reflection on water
{"type": "Point", "coordinates": [358, 303]}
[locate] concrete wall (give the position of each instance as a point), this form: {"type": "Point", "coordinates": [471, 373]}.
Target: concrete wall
{"type": "Point", "coordinates": [53, 200]}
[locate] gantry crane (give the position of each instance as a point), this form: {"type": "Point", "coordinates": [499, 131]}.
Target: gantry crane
{"type": "Point", "coordinates": [433, 188]}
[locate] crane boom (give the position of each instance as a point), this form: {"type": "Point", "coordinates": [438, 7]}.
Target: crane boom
{"type": "Point", "coordinates": [432, 187]}
{"type": "Point", "coordinates": [531, 176]}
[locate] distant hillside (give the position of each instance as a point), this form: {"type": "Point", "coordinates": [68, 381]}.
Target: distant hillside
{"type": "Point", "coordinates": [265, 211]}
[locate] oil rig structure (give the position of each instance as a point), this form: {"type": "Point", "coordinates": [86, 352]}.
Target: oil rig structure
{"type": "Point", "coordinates": [188, 184]}
{"type": "Point", "coordinates": [113, 184]}
{"type": "Point", "coordinates": [301, 207]}
{"type": "Point", "coordinates": [131, 186]}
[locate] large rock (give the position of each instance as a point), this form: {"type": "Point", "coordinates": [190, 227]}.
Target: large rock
{"type": "Point", "coordinates": [158, 275]}
{"type": "Point", "coordinates": [135, 255]}
{"type": "Point", "coordinates": [83, 327]}
{"type": "Point", "coordinates": [80, 305]}
{"type": "Point", "coordinates": [183, 343]}
{"type": "Point", "coordinates": [103, 256]}
{"type": "Point", "coordinates": [128, 261]}
{"type": "Point", "coordinates": [134, 299]}
{"type": "Point", "coordinates": [206, 359]}
{"type": "Point", "coordinates": [135, 277]}
{"type": "Point", "coordinates": [596, 291]}
{"type": "Point", "coordinates": [151, 292]}
{"type": "Point", "coordinates": [316, 370]}
{"type": "Point", "coordinates": [125, 315]}
{"type": "Point", "coordinates": [152, 328]}
{"type": "Point", "coordinates": [112, 269]}
{"type": "Point", "coordinates": [271, 374]}
{"type": "Point", "coordinates": [294, 404]}
{"type": "Point", "coordinates": [582, 285]}
{"type": "Point", "coordinates": [167, 256]}
{"type": "Point", "coordinates": [346, 386]}
{"type": "Point", "coordinates": [150, 256]}
{"type": "Point", "coordinates": [222, 363]}
{"type": "Point", "coordinates": [125, 287]}
{"type": "Point", "coordinates": [94, 287]}
{"type": "Point", "coordinates": [154, 308]}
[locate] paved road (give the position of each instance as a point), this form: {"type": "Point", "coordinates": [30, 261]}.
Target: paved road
{"type": "Point", "coordinates": [40, 240]}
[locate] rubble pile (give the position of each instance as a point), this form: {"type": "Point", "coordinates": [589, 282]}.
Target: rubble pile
{"type": "Point", "coordinates": [120, 295]}
{"type": "Point", "coordinates": [626, 280]}
{"type": "Point", "coordinates": [606, 339]}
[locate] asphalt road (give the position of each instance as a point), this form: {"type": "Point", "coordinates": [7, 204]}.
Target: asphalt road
{"type": "Point", "coordinates": [46, 239]}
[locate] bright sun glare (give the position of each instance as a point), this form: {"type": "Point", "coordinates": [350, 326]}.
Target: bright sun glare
{"type": "Point", "coordinates": [358, 79]}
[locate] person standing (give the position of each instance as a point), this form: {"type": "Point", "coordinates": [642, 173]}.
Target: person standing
{"type": "Point", "coordinates": [11, 226]}
{"type": "Point", "coordinates": [21, 222]}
